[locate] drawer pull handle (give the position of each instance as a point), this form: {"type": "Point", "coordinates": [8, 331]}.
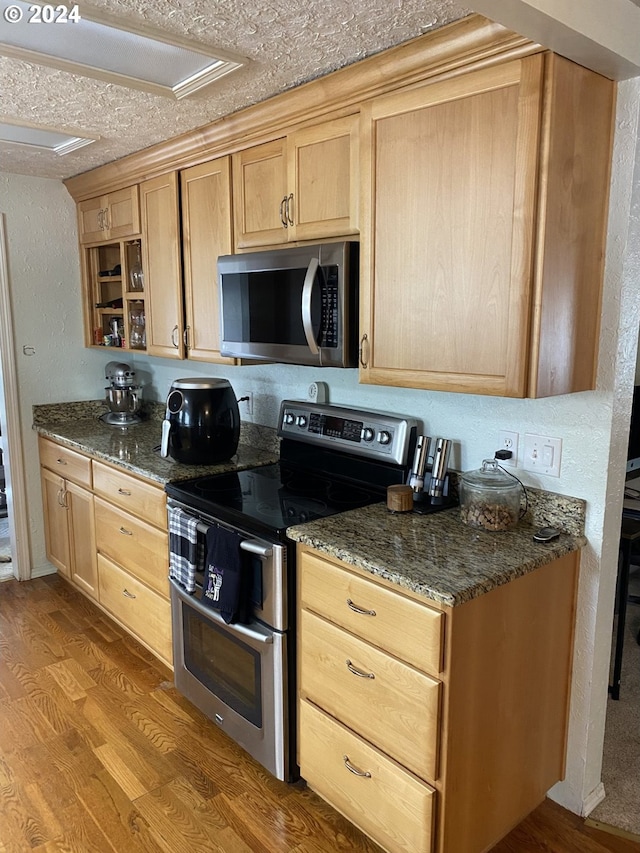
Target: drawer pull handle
{"type": "Point", "coordinates": [359, 610]}
{"type": "Point", "coordinates": [124, 492]}
{"type": "Point", "coordinates": [125, 531]}
{"type": "Point", "coordinates": [358, 672]}
{"type": "Point", "coordinates": [61, 461]}
{"type": "Point", "coordinates": [364, 773]}
{"type": "Point", "coordinates": [126, 592]}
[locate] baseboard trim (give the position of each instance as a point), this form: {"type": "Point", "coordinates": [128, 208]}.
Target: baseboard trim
{"type": "Point", "coordinates": [594, 799]}
{"type": "Point", "coordinates": [42, 571]}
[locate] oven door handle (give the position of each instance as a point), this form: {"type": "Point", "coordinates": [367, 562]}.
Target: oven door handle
{"type": "Point", "coordinates": [307, 290]}
{"type": "Point", "coordinates": [251, 545]}
{"type": "Point", "coordinates": [259, 635]}
{"type": "Point", "coordinates": [255, 547]}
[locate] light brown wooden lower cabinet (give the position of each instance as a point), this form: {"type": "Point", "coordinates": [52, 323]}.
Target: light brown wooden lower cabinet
{"type": "Point", "coordinates": [145, 613]}
{"type": "Point", "coordinates": [487, 688]}
{"type": "Point", "coordinates": [106, 531]}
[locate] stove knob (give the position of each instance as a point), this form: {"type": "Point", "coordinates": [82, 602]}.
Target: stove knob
{"type": "Point", "coordinates": [288, 418]}
{"type": "Point", "coordinates": [384, 437]}
{"type": "Point", "coordinates": [301, 420]}
{"type": "Point", "coordinates": [368, 434]}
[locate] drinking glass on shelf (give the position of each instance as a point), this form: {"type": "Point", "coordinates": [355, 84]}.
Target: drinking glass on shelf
{"type": "Point", "coordinates": [138, 333]}
{"type": "Point", "coordinates": [136, 276]}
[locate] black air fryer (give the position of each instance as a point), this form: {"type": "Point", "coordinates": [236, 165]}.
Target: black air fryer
{"type": "Point", "coordinates": [202, 421]}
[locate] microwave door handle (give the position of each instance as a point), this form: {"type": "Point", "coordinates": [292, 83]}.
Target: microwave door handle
{"type": "Point", "coordinates": [307, 290]}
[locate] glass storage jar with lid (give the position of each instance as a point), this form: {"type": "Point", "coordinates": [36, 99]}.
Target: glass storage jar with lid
{"type": "Point", "coordinates": [490, 498]}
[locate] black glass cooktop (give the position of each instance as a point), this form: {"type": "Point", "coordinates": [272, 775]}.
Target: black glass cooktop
{"type": "Point", "coordinates": [272, 497]}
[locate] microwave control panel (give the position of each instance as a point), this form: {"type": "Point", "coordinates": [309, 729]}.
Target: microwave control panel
{"type": "Point", "coordinates": [363, 433]}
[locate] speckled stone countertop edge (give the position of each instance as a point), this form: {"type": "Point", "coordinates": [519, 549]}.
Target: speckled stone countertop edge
{"type": "Point", "coordinates": [436, 557]}
{"type": "Point", "coordinates": [135, 449]}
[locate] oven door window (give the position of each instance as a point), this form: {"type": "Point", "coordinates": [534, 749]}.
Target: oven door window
{"type": "Point", "coordinates": [225, 665]}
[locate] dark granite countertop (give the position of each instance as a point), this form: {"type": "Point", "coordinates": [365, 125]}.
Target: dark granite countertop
{"type": "Point", "coordinates": [439, 557]}
{"type": "Point", "coordinates": [136, 448]}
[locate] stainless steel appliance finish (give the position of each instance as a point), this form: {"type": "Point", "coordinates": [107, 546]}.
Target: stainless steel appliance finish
{"type": "Point", "coordinates": [416, 478]}
{"type": "Point", "coordinates": [202, 421]}
{"type": "Point", "coordinates": [375, 435]}
{"type": "Point", "coordinates": [296, 305]}
{"type": "Point", "coordinates": [123, 395]}
{"type": "Point", "coordinates": [439, 468]}
{"type": "Point", "coordinates": [238, 674]}
{"type": "Point", "coordinates": [332, 459]}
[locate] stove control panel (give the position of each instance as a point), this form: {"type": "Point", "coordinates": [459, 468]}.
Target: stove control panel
{"type": "Point", "coordinates": [362, 433]}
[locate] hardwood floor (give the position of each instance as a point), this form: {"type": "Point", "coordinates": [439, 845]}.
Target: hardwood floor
{"type": "Point", "coordinates": [98, 752]}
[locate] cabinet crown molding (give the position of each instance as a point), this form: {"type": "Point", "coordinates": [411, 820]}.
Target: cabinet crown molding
{"type": "Point", "coordinates": [472, 40]}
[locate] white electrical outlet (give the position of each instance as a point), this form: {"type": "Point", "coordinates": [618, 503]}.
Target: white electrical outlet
{"type": "Point", "coordinates": [508, 441]}
{"type": "Point", "coordinates": [245, 403]}
{"type": "Point", "coordinates": [542, 454]}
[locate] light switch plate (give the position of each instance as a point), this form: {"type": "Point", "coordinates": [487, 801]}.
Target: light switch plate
{"type": "Point", "coordinates": [542, 454]}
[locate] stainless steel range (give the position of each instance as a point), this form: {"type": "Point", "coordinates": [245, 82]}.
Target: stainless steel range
{"type": "Point", "coordinates": [241, 673]}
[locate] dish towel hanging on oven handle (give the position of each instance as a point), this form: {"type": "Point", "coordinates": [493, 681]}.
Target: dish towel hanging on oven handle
{"type": "Point", "coordinates": [186, 553]}
{"type": "Point", "coordinates": [223, 576]}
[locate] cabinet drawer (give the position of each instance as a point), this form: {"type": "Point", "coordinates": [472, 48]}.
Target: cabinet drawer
{"type": "Point", "coordinates": [404, 627]}
{"type": "Point", "coordinates": [65, 462]}
{"type": "Point", "coordinates": [390, 804]}
{"type": "Point", "coordinates": [142, 499]}
{"type": "Point", "coordinates": [139, 609]}
{"type": "Point", "coordinates": [349, 678]}
{"type": "Point", "coordinates": [141, 549]}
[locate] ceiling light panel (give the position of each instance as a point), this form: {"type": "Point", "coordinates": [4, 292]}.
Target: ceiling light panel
{"type": "Point", "coordinates": [45, 138]}
{"type": "Point", "coordinates": [111, 51]}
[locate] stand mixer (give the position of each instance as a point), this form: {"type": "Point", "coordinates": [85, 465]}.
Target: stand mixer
{"type": "Point", "coordinates": [123, 395]}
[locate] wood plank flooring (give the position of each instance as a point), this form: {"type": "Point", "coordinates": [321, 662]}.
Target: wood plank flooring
{"type": "Point", "coordinates": [98, 752]}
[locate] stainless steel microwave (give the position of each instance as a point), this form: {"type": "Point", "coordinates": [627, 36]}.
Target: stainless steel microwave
{"type": "Point", "coordinates": [296, 305]}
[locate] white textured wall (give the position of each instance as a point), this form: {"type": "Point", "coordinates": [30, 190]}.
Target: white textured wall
{"type": "Point", "coordinates": [44, 278]}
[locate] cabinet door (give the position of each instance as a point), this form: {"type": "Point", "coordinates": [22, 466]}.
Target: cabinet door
{"type": "Point", "coordinates": [206, 234]}
{"type": "Point", "coordinates": [123, 213]}
{"type": "Point", "coordinates": [91, 220]}
{"type": "Point", "coordinates": [323, 177]}
{"type": "Point", "coordinates": [109, 216]}
{"type": "Point", "coordinates": [56, 532]}
{"type": "Point", "coordinates": [446, 273]}
{"type": "Point", "coordinates": [82, 540]}
{"type": "Point", "coordinates": [161, 262]}
{"type": "Point", "coordinates": [259, 195]}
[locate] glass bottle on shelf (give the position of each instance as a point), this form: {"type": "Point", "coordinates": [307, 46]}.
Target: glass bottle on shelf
{"type": "Point", "coordinates": [136, 275]}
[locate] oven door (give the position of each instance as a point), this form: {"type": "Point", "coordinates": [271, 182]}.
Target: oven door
{"type": "Point", "coordinates": [236, 675]}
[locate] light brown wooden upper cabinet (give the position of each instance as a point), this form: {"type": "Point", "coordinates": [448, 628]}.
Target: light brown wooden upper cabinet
{"type": "Point", "coordinates": [110, 216]}
{"type": "Point", "coordinates": [206, 234]}
{"type": "Point", "coordinates": [301, 187]}
{"type": "Point", "coordinates": [160, 212]}
{"type": "Point", "coordinates": [484, 209]}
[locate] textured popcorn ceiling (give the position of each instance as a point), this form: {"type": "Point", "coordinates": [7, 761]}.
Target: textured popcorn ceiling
{"type": "Point", "coordinates": [287, 42]}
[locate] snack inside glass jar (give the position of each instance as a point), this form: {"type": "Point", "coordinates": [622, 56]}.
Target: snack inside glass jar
{"type": "Point", "coordinates": [489, 498]}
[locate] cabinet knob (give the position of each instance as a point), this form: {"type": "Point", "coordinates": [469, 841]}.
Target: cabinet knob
{"type": "Point", "coordinates": [124, 492]}
{"type": "Point", "coordinates": [128, 594]}
{"type": "Point", "coordinates": [174, 336]}
{"type": "Point", "coordinates": [125, 532]}
{"type": "Point", "coordinates": [289, 209]}
{"type": "Point", "coordinates": [61, 461]}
